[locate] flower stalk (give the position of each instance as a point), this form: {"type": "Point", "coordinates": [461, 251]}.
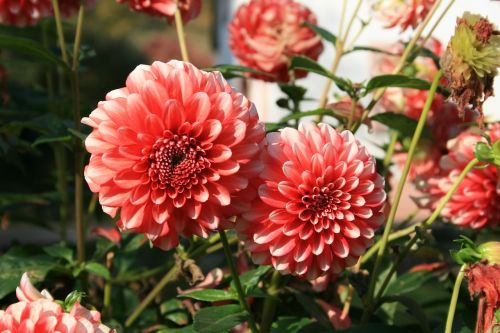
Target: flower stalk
{"type": "Point", "coordinates": [181, 36]}
{"type": "Point", "coordinates": [270, 303]}
{"type": "Point", "coordinates": [453, 301]}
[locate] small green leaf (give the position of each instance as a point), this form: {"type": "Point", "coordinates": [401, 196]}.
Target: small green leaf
{"type": "Point", "coordinates": [71, 299]}
{"type": "Point", "coordinates": [174, 311]}
{"type": "Point", "coordinates": [59, 251]}
{"type": "Point", "coordinates": [97, 269]}
{"type": "Point", "coordinates": [211, 295]}
{"type": "Point", "coordinates": [325, 34]}
{"type": "Point", "coordinates": [219, 319]}
{"type": "Point", "coordinates": [299, 115]}
{"type": "Point", "coordinates": [414, 309]}
{"type": "Point", "coordinates": [396, 80]}
{"type": "Point", "coordinates": [402, 124]}
{"type": "Point", "coordinates": [250, 279]}
{"type": "Point", "coordinates": [30, 48]}
{"type": "Point", "coordinates": [408, 282]}
{"type": "Point", "coordinates": [294, 92]}
{"type": "Point", "coordinates": [51, 139]}
{"type": "Point", "coordinates": [290, 324]}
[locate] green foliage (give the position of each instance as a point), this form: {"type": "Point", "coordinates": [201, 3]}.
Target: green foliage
{"type": "Point", "coordinates": [219, 319]}
{"type": "Point", "coordinates": [291, 325]}
{"type": "Point", "coordinates": [30, 48]}
{"type": "Point", "coordinates": [71, 299]}
{"type": "Point", "coordinates": [211, 295]}
{"type": "Point", "coordinates": [400, 123]}
{"type": "Point", "coordinates": [396, 80]}
{"type": "Point", "coordinates": [250, 279]}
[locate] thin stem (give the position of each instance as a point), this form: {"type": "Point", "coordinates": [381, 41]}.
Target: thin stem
{"type": "Point", "coordinates": [348, 302]}
{"type": "Point", "coordinates": [169, 277]}
{"type": "Point", "coordinates": [342, 19]}
{"type": "Point", "coordinates": [179, 26]}
{"type": "Point", "coordinates": [454, 298]}
{"type": "Point", "coordinates": [399, 191]}
{"type": "Point", "coordinates": [351, 21]}
{"type": "Point", "coordinates": [78, 38]}
{"type": "Point", "coordinates": [433, 28]}
{"type": "Point", "coordinates": [60, 32]}
{"type": "Point", "coordinates": [270, 303]}
{"type": "Point", "coordinates": [390, 149]}
{"type": "Point", "coordinates": [354, 104]}
{"type": "Point", "coordinates": [237, 283]}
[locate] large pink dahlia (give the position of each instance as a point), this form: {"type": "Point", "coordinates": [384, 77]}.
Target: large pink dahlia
{"type": "Point", "coordinates": [189, 9]}
{"type": "Point", "coordinates": [476, 203]}
{"type": "Point", "coordinates": [266, 34]}
{"type": "Point", "coordinates": [320, 202]}
{"type": "Point", "coordinates": [173, 151]}
{"type": "Point", "coordinates": [402, 13]}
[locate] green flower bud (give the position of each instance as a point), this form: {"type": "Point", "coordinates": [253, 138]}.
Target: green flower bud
{"type": "Point", "coordinates": [490, 251]}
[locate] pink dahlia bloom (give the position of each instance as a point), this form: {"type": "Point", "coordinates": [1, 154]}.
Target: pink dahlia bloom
{"type": "Point", "coordinates": [320, 202]}
{"type": "Point", "coordinates": [476, 203]}
{"type": "Point", "coordinates": [189, 9]}
{"type": "Point", "coordinates": [266, 34]}
{"type": "Point", "coordinates": [173, 151]}
{"type": "Point", "coordinates": [402, 13]}
{"type": "Point", "coordinates": [37, 312]}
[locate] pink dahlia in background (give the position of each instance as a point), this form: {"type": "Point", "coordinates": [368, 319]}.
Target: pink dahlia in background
{"type": "Point", "coordinates": [266, 34]}
{"type": "Point", "coordinates": [38, 312]}
{"type": "Point", "coordinates": [23, 13]}
{"type": "Point", "coordinates": [173, 151]}
{"type": "Point", "coordinates": [402, 13]}
{"type": "Point", "coordinates": [476, 203]}
{"type": "Point", "coordinates": [320, 202]}
{"type": "Point", "coordinates": [189, 9]}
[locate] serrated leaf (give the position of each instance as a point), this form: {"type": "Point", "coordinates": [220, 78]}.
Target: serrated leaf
{"type": "Point", "coordinates": [404, 125]}
{"type": "Point", "coordinates": [97, 269]}
{"type": "Point", "coordinates": [408, 282]}
{"type": "Point", "coordinates": [325, 34]}
{"type": "Point", "coordinates": [290, 324]}
{"type": "Point", "coordinates": [30, 48]}
{"type": "Point", "coordinates": [396, 80]}
{"type": "Point", "coordinates": [211, 295]}
{"type": "Point", "coordinates": [218, 319]}
{"type": "Point", "coordinates": [59, 251]}
{"type": "Point", "coordinates": [250, 279]}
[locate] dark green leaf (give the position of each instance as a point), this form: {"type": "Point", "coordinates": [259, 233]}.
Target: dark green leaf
{"type": "Point", "coordinates": [174, 311]}
{"type": "Point", "coordinates": [78, 134]}
{"type": "Point", "coordinates": [97, 269]}
{"type": "Point", "coordinates": [312, 308]}
{"type": "Point", "coordinates": [294, 92]}
{"type": "Point", "coordinates": [402, 124]}
{"type": "Point", "coordinates": [376, 328]}
{"type": "Point", "coordinates": [273, 127]}
{"type": "Point", "coordinates": [30, 48]}
{"type": "Point", "coordinates": [325, 34]}
{"type": "Point", "coordinates": [250, 279]}
{"type": "Point", "coordinates": [187, 329]}
{"type": "Point", "coordinates": [59, 251]}
{"type": "Point", "coordinates": [51, 139]}
{"type": "Point", "coordinates": [396, 80]}
{"type": "Point", "coordinates": [299, 115]}
{"type": "Point", "coordinates": [218, 319]}
{"type": "Point", "coordinates": [290, 324]}
{"type": "Point", "coordinates": [211, 295]}
{"type": "Point", "coordinates": [408, 282]}
{"type": "Point", "coordinates": [414, 309]}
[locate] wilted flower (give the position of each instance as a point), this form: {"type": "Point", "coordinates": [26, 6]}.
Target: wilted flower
{"type": "Point", "coordinates": [37, 312]}
{"type": "Point", "coordinates": [173, 151]}
{"type": "Point", "coordinates": [320, 202]}
{"type": "Point", "coordinates": [476, 203]}
{"type": "Point", "coordinates": [484, 282]}
{"type": "Point", "coordinates": [266, 34]}
{"type": "Point", "coordinates": [402, 13]}
{"type": "Point", "coordinates": [189, 9]}
{"type": "Point", "coordinates": [471, 61]}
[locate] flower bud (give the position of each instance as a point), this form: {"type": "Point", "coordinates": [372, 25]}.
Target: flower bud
{"type": "Point", "coordinates": [490, 251]}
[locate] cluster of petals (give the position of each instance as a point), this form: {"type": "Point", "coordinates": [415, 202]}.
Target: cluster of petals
{"type": "Point", "coordinates": [320, 202]}
{"type": "Point", "coordinates": [189, 9]}
{"type": "Point", "coordinates": [402, 13]}
{"type": "Point", "coordinates": [173, 151]}
{"type": "Point", "coordinates": [476, 202]}
{"type": "Point", "coordinates": [23, 13]}
{"type": "Point", "coordinates": [38, 312]}
{"type": "Point", "coordinates": [266, 34]}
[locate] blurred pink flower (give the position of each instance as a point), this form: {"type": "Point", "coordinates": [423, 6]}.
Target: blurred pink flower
{"type": "Point", "coordinates": [321, 283]}
{"type": "Point", "coordinates": [320, 202]}
{"type": "Point", "coordinates": [425, 162]}
{"type": "Point", "coordinates": [266, 34]}
{"type": "Point", "coordinates": [38, 312]}
{"type": "Point", "coordinates": [112, 234]}
{"type": "Point", "coordinates": [189, 9]}
{"type": "Point", "coordinates": [402, 13]}
{"type": "Point", "coordinates": [174, 152]}
{"type": "Point", "coordinates": [339, 320]}
{"type": "Point", "coordinates": [476, 203]}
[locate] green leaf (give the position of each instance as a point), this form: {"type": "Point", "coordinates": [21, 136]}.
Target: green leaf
{"type": "Point", "coordinates": [376, 328]}
{"type": "Point", "coordinates": [78, 134]}
{"type": "Point", "coordinates": [497, 315]}
{"type": "Point", "coordinates": [370, 49]}
{"type": "Point", "coordinates": [290, 324]}
{"type": "Point", "coordinates": [218, 319]}
{"type": "Point", "coordinates": [97, 269]}
{"type": "Point", "coordinates": [402, 124]}
{"type": "Point", "coordinates": [13, 265]}
{"type": "Point", "coordinates": [174, 311]}
{"type": "Point", "coordinates": [294, 92]}
{"type": "Point", "coordinates": [51, 139]}
{"type": "Point", "coordinates": [414, 309]}
{"type": "Point", "coordinates": [187, 329]}
{"type": "Point", "coordinates": [325, 34]}
{"type": "Point", "coordinates": [250, 279]}
{"type": "Point", "coordinates": [211, 295]}
{"type": "Point", "coordinates": [396, 80]}
{"type": "Point", "coordinates": [71, 299]}
{"type": "Point", "coordinates": [312, 308]}
{"type": "Point", "coordinates": [30, 48]}
{"type": "Point", "coordinates": [299, 115]}
{"type": "Point", "coordinates": [273, 127]}
{"type": "Point", "coordinates": [59, 251]}
{"type": "Point", "coordinates": [408, 282]}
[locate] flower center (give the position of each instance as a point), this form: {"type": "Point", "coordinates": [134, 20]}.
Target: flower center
{"type": "Point", "coordinates": [176, 161]}
{"type": "Point", "coordinates": [325, 202]}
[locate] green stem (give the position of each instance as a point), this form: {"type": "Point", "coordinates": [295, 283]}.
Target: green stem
{"type": "Point", "coordinates": [270, 303]}
{"type": "Point", "coordinates": [390, 150]}
{"type": "Point", "coordinates": [453, 301]}
{"type": "Point", "coordinates": [351, 21]}
{"type": "Point", "coordinates": [237, 283]}
{"type": "Point", "coordinates": [433, 28]}
{"type": "Point", "coordinates": [181, 36]}
{"type": "Point", "coordinates": [397, 197]}
{"type": "Point", "coordinates": [60, 31]}
{"type": "Point", "coordinates": [354, 104]}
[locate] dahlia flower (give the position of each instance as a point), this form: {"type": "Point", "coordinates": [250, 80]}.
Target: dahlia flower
{"type": "Point", "coordinates": [38, 312]}
{"type": "Point", "coordinates": [173, 151]}
{"type": "Point", "coordinates": [189, 9]}
{"type": "Point", "coordinates": [266, 34]}
{"type": "Point", "coordinates": [476, 203]}
{"type": "Point", "coordinates": [320, 202]}
{"type": "Point", "coordinates": [402, 13]}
